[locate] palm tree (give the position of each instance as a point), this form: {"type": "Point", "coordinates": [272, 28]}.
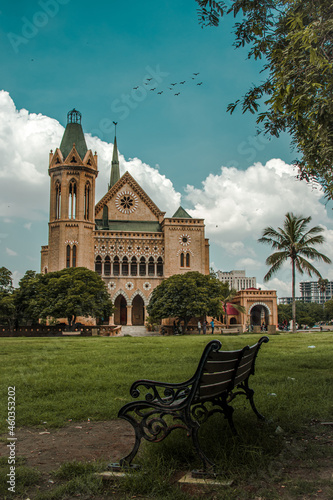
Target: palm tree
{"type": "Point", "coordinates": [294, 242]}
{"type": "Point", "coordinates": [228, 299]}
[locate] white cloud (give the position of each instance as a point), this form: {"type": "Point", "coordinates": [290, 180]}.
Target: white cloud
{"type": "Point", "coordinates": [238, 204]}
{"type": "Point", "coordinates": [25, 141]}
{"type": "Point", "coordinates": [10, 252]}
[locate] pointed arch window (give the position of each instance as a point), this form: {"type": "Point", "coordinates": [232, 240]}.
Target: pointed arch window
{"type": "Point", "coordinates": [68, 256]}
{"type": "Point", "coordinates": [182, 260]}
{"type": "Point", "coordinates": [72, 200]}
{"type": "Point", "coordinates": [58, 200]}
{"type": "Point", "coordinates": [159, 267]}
{"type": "Point", "coordinates": [134, 266]}
{"type": "Point", "coordinates": [124, 266]}
{"type": "Point", "coordinates": [151, 267]}
{"type": "Point", "coordinates": [107, 266]}
{"type": "Point", "coordinates": [87, 196]}
{"type": "Point", "coordinates": [98, 264]}
{"type": "Point", "coordinates": [188, 259]}
{"type": "Point", "coordinates": [142, 267]}
{"type": "Point", "coordinates": [116, 266]}
{"type": "Point", "coordinates": [74, 256]}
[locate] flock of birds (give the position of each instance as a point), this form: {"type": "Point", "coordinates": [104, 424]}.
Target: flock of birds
{"type": "Point", "coordinates": [172, 85]}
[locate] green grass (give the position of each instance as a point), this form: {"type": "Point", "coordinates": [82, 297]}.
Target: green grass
{"type": "Point", "coordinates": [60, 379]}
{"type": "Point", "coordinates": [79, 378]}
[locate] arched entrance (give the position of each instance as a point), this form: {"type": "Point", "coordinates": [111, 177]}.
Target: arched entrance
{"type": "Point", "coordinates": [120, 314]}
{"type": "Point", "coordinates": [259, 315]}
{"type": "Point", "coordinates": [138, 311]}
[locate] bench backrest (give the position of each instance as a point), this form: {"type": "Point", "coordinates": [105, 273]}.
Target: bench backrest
{"type": "Point", "coordinates": [224, 370]}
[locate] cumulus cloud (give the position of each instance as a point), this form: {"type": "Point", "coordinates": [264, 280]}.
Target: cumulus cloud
{"type": "Point", "coordinates": [238, 204]}
{"type": "Point", "coordinates": [25, 141]}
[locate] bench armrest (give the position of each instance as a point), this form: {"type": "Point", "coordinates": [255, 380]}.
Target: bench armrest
{"type": "Point", "coordinates": [162, 392]}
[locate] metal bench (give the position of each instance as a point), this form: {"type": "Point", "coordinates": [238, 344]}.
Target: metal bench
{"type": "Point", "coordinates": [219, 378]}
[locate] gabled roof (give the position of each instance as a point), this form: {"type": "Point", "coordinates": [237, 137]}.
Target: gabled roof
{"type": "Point", "coordinates": [128, 179]}
{"type": "Point", "coordinates": [181, 214]}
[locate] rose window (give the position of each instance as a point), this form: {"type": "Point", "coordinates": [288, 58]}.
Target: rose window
{"type": "Point", "coordinates": [126, 202]}
{"type": "Point", "coordinates": [184, 240]}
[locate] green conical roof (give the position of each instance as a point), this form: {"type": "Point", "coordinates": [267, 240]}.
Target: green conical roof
{"type": "Point", "coordinates": [73, 135]}
{"type": "Point", "coordinates": [181, 214]}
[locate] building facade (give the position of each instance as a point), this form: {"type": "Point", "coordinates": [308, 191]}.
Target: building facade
{"type": "Point", "coordinates": [124, 237]}
{"type": "Point", "coordinates": [237, 279]}
{"type": "Point", "coordinates": [311, 292]}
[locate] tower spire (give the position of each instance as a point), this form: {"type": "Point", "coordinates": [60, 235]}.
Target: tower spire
{"type": "Point", "coordinates": [115, 174]}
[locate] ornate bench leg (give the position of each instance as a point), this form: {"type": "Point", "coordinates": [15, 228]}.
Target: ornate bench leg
{"type": "Point", "coordinates": [204, 458]}
{"type": "Point", "coordinates": [249, 395]}
{"type": "Point", "coordinates": [126, 462]}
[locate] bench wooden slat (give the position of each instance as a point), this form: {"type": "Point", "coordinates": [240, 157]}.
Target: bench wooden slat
{"type": "Point", "coordinates": [219, 366]}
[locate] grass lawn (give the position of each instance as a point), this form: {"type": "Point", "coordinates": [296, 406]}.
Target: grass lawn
{"type": "Point", "coordinates": [58, 379]}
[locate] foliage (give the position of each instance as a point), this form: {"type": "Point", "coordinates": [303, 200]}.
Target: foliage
{"type": "Point", "coordinates": [328, 308]}
{"type": "Point", "coordinates": [307, 313]}
{"type": "Point", "coordinates": [188, 295]}
{"type": "Point", "coordinates": [26, 299]}
{"type": "Point", "coordinates": [294, 242]}
{"type": "Point", "coordinates": [295, 40]}
{"type": "Point", "coordinates": [7, 307]}
{"type": "Point", "coordinates": [6, 281]}
{"type": "Point", "coordinates": [72, 292]}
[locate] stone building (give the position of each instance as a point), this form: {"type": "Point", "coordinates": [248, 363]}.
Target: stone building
{"type": "Point", "coordinates": [124, 237]}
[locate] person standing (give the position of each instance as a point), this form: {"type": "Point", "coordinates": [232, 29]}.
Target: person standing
{"type": "Point", "coordinates": [213, 326]}
{"type": "Point", "coordinates": [204, 326]}
{"type": "Point", "coordinates": [199, 327]}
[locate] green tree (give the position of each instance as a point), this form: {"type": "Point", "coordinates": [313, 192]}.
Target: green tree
{"type": "Point", "coordinates": [72, 292]}
{"type": "Point", "coordinates": [227, 299]}
{"type": "Point", "coordinates": [26, 299]}
{"type": "Point", "coordinates": [294, 242]}
{"type": "Point", "coordinates": [7, 307]}
{"type": "Point", "coordinates": [295, 40]}
{"type": "Point", "coordinates": [328, 308]}
{"type": "Point", "coordinates": [188, 295]}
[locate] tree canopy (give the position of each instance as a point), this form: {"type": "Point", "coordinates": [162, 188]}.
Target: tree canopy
{"type": "Point", "coordinates": [66, 294]}
{"type": "Point", "coordinates": [188, 295]}
{"type": "Point", "coordinates": [72, 292]}
{"type": "Point", "coordinates": [294, 242]}
{"type": "Point", "coordinates": [295, 40]}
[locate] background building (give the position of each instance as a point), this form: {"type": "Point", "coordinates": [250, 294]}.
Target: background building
{"type": "Point", "coordinates": [237, 280]}
{"type": "Point", "coordinates": [310, 292]}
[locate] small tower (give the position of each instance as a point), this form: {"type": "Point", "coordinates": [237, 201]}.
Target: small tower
{"type": "Point", "coordinates": [72, 170]}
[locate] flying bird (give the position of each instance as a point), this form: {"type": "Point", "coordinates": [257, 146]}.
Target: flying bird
{"type": "Point", "coordinates": [134, 88]}
{"type": "Point", "coordinates": [148, 79]}
{"type": "Point", "coordinates": [182, 83]}
{"type": "Point", "coordinates": [199, 83]}
{"type": "Point", "coordinates": [160, 92]}
{"type": "Point", "coordinates": [153, 89]}
{"type": "Point", "coordinates": [173, 84]}
{"type": "Point", "coordinates": [196, 74]}
{"type": "Point", "coordinates": [178, 93]}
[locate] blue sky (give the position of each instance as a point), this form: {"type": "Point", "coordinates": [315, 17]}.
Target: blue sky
{"type": "Point", "coordinates": [60, 54]}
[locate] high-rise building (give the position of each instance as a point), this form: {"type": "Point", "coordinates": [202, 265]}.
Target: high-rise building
{"type": "Point", "coordinates": [311, 292]}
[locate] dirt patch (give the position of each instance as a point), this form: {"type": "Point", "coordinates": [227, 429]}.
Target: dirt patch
{"type": "Point", "coordinates": [46, 449]}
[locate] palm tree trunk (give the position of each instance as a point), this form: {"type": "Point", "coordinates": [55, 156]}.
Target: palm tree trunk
{"type": "Point", "coordinates": [293, 295]}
